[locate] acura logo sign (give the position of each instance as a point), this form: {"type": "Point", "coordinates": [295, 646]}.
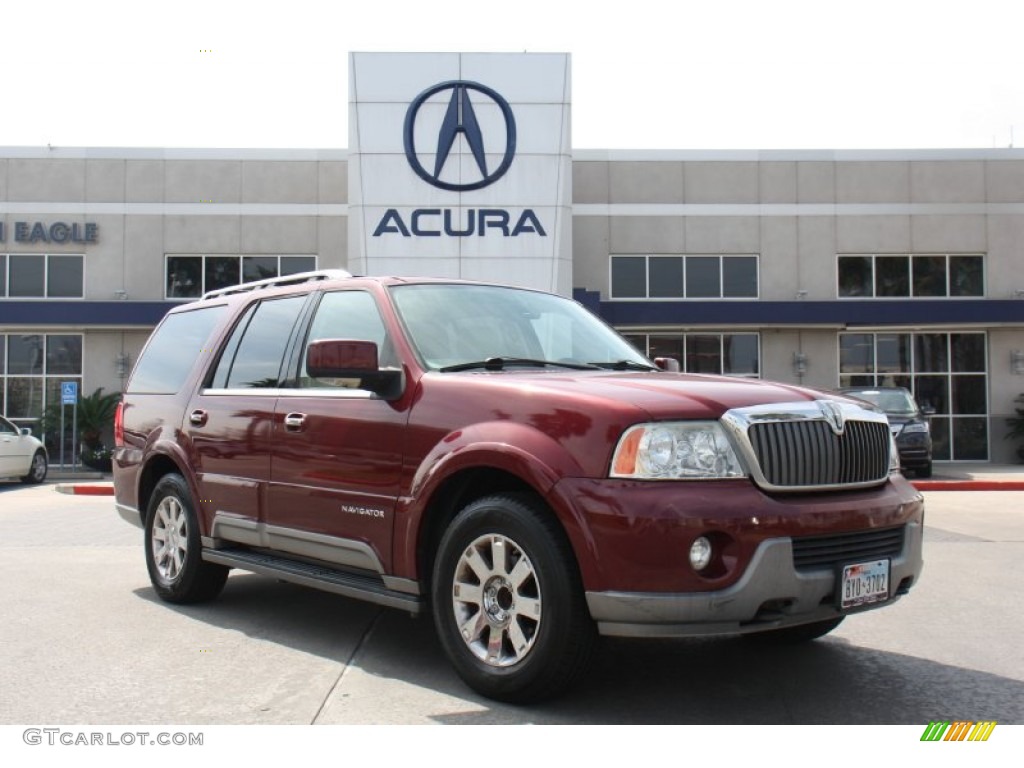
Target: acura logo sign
{"type": "Point", "coordinates": [460, 118]}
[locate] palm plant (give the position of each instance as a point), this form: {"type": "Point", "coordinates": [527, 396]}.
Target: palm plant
{"type": "Point", "coordinates": [95, 416]}
{"type": "Point", "coordinates": [1016, 425]}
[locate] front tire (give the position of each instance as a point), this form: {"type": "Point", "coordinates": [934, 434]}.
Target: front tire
{"type": "Point", "coordinates": [173, 548]}
{"type": "Point", "coordinates": [508, 601]}
{"type": "Point", "coordinates": [37, 469]}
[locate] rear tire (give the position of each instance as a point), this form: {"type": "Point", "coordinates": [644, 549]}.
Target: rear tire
{"type": "Point", "coordinates": [508, 602]}
{"type": "Point", "coordinates": [173, 547]}
{"type": "Point", "coordinates": [801, 633]}
{"type": "Point", "coordinates": [925, 471]}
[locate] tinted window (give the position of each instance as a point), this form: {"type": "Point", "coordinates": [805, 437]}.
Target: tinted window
{"type": "Point", "coordinates": [28, 276]}
{"type": "Point", "coordinates": [175, 346]}
{"type": "Point", "coordinates": [221, 272]}
{"type": "Point", "coordinates": [184, 277]}
{"type": "Point", "coordinates": [739, 277]}
{"type": "Point", "coordinates": [892, 276]}
{"type": "Point", "coordinates": [666, 275]}
{"type": "Point", "coordinates": [629, 277]}
{"type": "Point", "coordinates": [257, 362]}
{"type": "Point", "coordinates": [703, 280]}
{"type": "Point", "coordinates": [855, 276]}
{"type": "Point", "coordinates": [349, 315]}
{"type": "Point", "coordinates": [966, 276]}
{"type": "Point", "coordinates": [258, 268]}
{"type": "Point", "coordinates": [63, 353]}
{"type": "Point", "coordinates": [64, 276]}
{"type": "Point", "coordinates": [293, 265]}
{"type": "Point", "coordinates": [929, 275]}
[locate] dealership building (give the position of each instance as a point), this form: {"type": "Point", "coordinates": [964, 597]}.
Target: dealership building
{"type": "Point", "coordinates": [823, 268]}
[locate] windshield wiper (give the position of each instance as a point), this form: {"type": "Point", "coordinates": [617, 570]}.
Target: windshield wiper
{"type": "Point", "coordinates": [626, 365]}
{"type": "Point", "coordinates": [499, 363]}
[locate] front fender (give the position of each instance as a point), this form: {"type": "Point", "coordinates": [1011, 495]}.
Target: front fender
{"type": "Point", "coordinates": [516, 449]}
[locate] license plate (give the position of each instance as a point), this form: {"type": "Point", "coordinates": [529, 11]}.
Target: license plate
{"type": "Point", "coordinates": [864, 583]}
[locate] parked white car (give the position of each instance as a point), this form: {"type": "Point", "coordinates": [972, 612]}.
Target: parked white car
{"type": "Point", "coordinates": [21, 455]}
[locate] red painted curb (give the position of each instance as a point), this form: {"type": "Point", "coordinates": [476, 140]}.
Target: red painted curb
{"type": "Point", "coordinates": [86, 490]}
{"type": "Point", "coordinates": [968, 485]}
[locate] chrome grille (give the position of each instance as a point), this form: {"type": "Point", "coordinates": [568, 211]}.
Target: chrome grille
{"type": "Point", "coordinates": [802, 453]}
{"type": "Point", "coordinates": [816, 552]}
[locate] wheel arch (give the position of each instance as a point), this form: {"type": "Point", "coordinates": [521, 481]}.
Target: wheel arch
{"type": "Point", "coordinates": [450, 497]}
{"type": "Point", "coordinates": [155, 469]}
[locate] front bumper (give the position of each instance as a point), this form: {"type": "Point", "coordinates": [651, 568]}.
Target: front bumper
{"type": "Point", "coordinates": [129, 514]}
{"type": "Point", "coordinates": [771, 594]}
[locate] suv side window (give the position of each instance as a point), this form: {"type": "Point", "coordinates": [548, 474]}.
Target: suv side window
{"type": "Point", "coordinates": [171, 353]}
{"type": "Point", "coordinates": [348, 315]}
{"type": "Point", "coordinates": [253, 355]}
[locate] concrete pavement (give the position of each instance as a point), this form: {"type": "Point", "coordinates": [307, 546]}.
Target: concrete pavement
{"type": "Point", "coordinates": [86, 641]}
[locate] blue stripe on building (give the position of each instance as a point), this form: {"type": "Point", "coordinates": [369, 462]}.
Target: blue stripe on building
{"type": "Point", "coordinates": [844, 313]}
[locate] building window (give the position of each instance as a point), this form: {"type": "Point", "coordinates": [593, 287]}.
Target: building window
{"type": "Point", "coordinates": [691, 276]}
{"type": "Point", "coordinates": [884, 276]}
{"type": "Point", "coordinates": [189, 276]}
{"type": "Point", "coordinates": [731, 354]}
{"type": "Point", "coordinates": [42, 276]}
{"type": "Point", "coordinates": [32, 367]}
{"type": "Point", "coordinates": [946, 372]}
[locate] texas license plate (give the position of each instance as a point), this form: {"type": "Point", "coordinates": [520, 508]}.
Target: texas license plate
{"type": "Point", "coordinates": [864, 583]}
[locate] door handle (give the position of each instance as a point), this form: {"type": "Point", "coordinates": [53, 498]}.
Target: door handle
{"type": "Point", "coordinates": [294, 422]}
{"type": "Point", "coordinates": [198, 417]}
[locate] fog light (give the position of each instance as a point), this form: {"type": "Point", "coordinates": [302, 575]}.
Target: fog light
{"type": "Point", "coordinates": [700, 553]}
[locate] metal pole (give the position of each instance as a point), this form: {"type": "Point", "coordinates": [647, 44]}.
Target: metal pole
{"type": "Point", "coordinates": [74, 434]}
{"type": "Point", "coordinates": [61, 438]}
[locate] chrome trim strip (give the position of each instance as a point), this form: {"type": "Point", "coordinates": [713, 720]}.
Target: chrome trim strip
{"type": "Point", "coordinates": [317, 546]}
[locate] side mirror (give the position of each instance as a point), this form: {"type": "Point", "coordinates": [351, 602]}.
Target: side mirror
{"type": "Point", "coordinates": [669, 364]}
{"type": "Point", "coordinates": [355, 360]}
{"type": "Point", "coordinates": [26, 431]}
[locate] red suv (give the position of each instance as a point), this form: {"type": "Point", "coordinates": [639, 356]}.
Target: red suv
{"type": "Point", "coordinates": [501, 458]}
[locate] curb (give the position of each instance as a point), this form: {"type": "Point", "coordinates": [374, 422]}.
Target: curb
{"type": "Point", "coordinates": [968, 485]}
{"type": "Point", "coordinates": [95, 489]}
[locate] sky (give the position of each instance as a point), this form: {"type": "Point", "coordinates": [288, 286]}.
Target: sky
{"type": "Point", "coordinates": [646, 74]}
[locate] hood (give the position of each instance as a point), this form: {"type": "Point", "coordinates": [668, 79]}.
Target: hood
{"type": "Point", "coordinates": [662, 395]}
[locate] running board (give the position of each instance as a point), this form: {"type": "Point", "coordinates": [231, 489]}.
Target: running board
{"type": "Point", "coordinates": [330, 580]}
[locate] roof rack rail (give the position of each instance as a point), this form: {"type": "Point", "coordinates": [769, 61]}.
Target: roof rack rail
{"type": "Point", "coordinates": [275, 282]}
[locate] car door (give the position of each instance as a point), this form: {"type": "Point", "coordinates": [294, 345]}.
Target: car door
{"type": "Point", "coordinates": [337, 450]}
{"type": "Point", "coordinates": [11, 460]}
{"type": "Point", "coordinates": [229, 421]}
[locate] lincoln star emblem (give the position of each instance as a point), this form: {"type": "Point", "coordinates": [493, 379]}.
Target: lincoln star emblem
{"type": "Point", "coordinates": [460, 118]}
{"type": "Point", "coordinates": [833, 413]}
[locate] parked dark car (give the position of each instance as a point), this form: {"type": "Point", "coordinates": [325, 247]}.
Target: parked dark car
{"type": "Point", "coordinates": [502, 459]}
{"type": "Point", "coordinates": [908, 422]}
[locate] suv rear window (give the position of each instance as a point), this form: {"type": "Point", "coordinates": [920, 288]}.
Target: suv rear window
{"type": "Point", "coordinates": [171, 353]}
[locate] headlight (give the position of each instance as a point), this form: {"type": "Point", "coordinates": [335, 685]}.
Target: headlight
{"type": "Point", "coordinates": [894, 455]}
{"type": "Point", "coordinates": [682, 450]}
{"type": "Point", "coordinates": [916, 426]}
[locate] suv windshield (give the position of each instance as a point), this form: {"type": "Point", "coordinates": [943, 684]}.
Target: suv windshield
{"type": "Point", "coordinates": [896, 402]}
{"type": "Point", "coordinates": [458, 325]}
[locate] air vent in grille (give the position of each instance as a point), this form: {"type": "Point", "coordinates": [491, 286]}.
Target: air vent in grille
{"type": "Point", "coordinates": [808, 453]}
{"type": "Point", "coordinates": [815, 552]}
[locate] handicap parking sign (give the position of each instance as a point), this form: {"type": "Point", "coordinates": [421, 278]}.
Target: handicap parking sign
{"type": "Point", "coordinates": [68, 392]}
